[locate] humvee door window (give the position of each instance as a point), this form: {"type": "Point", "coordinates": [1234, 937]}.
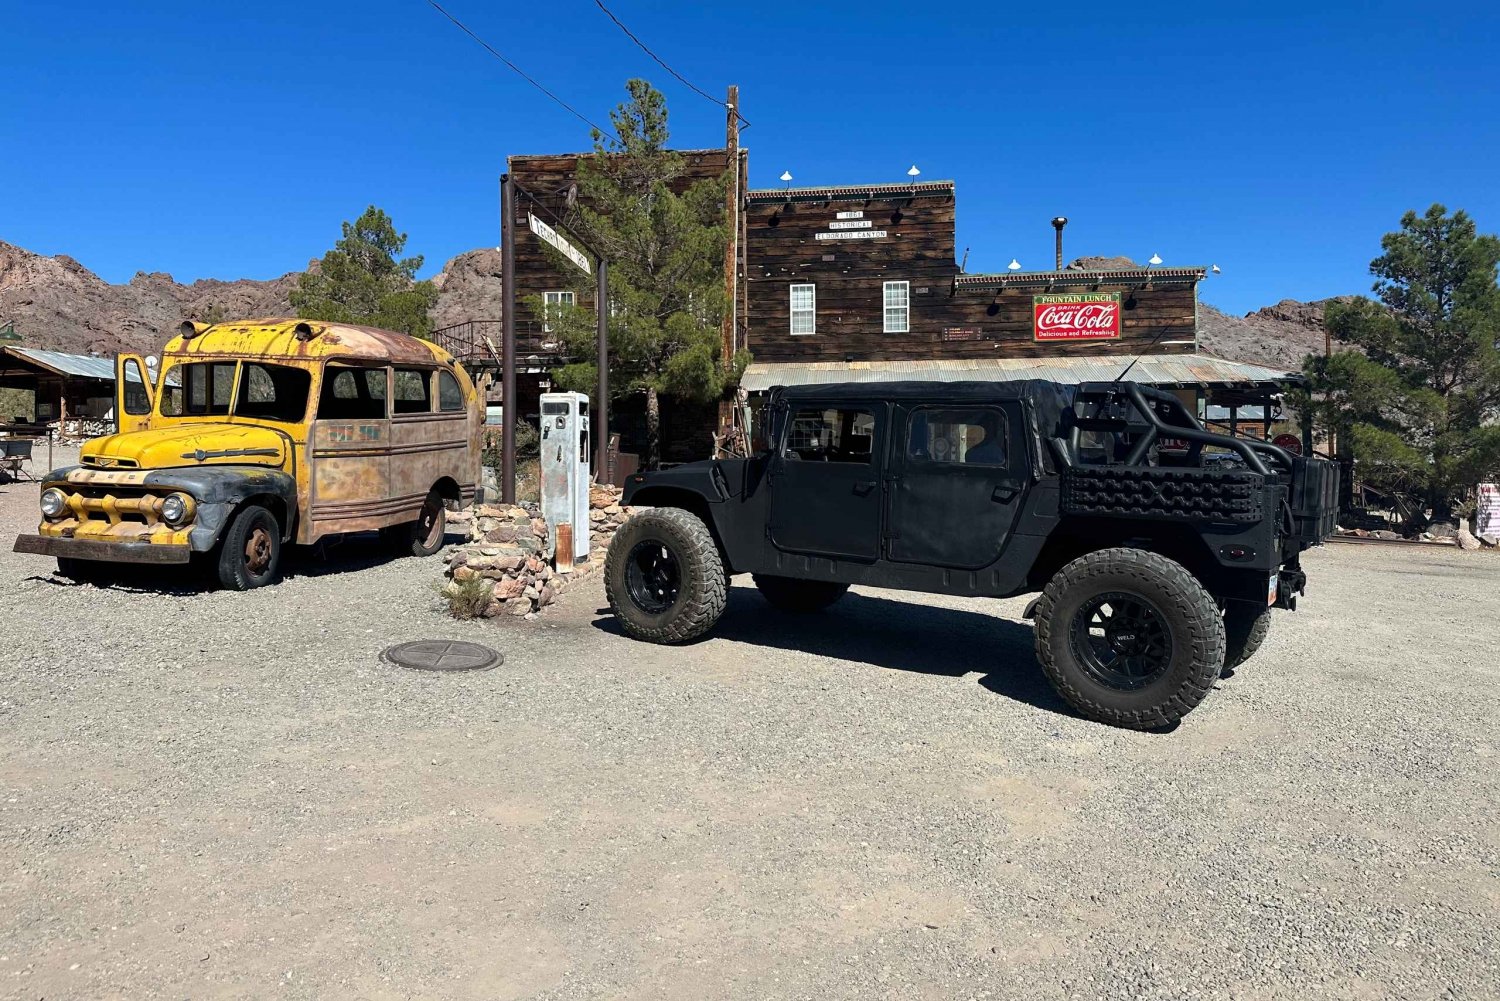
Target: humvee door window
{"type": "Point", "coordinates": [449, 397]}
{"type": "Point", "coordinates": [273, 392]}
{"type": "Point", "coordinates": [413, 391]}
{"type": "Point", "coordinates": [352, 394]}
{"type": "Point", "coordinates": [831, 435]}
{"type": "Point", "coordinates": [966, 436]}
{"type": "Point", "coordinates": [198, 389]}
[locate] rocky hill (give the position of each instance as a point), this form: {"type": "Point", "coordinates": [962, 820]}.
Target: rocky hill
{"type": "Point", "coordinates": [58, 304]}
{"type": "Point", "coordinates": [1278, 336]}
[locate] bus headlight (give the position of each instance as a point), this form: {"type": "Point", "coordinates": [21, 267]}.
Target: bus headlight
{"type": "Point", "coordinates": [54, 502]}
{"type": "Point", "coordinates": [177, 510]}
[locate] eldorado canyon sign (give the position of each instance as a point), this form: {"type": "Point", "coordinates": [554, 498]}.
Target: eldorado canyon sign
{"type": "Point", "coordinates": [1092, 316]}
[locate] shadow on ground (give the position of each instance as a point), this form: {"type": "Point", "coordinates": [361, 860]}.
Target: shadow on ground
{"type": "Point", "coordinates": [349, 554]}
{"type": "Point", "coordinates": [894, 634]}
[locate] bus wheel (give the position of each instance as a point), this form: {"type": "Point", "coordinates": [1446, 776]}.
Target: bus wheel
{"type": "Point", "coordinates": [250, 552]}
{"type": "Point", "coordinates": [424, 536]}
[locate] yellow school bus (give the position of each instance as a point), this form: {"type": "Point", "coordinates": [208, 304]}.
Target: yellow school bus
{"type": "Point", "coordinates": [261, 433]}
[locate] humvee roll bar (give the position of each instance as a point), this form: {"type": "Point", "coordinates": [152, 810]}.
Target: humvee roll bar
{"type": "Point", "coordinates": [1186, 427]}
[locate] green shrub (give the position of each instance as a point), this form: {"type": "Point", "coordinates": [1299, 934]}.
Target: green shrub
{"type": "Point", "coordinates": [467, 599]}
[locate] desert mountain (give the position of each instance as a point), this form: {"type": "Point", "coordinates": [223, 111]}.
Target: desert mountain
{"type": "Point", "coordinates": [1278, 336]}
{"type": "Point", "coordinates": [57, 303]}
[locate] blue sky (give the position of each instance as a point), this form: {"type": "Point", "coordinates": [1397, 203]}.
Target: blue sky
{"type": "Point", "coordinates": [1279, 142]}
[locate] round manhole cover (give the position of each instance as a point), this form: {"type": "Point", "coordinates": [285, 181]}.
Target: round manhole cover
{"type": "Point", "coordinates": [443, 655]}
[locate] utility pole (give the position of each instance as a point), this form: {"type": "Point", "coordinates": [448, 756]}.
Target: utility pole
{"type": "Point", "coordinates": [603, 471]}
{"type": "Point", "coordinates": [511, 412]}
{"type": "Point", "coordinates": [731, 247]}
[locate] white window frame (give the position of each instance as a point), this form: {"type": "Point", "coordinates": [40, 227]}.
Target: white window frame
{"type": "Point", "coordinates": [559, 297]}
{"type": "Point", "coordinates": [809, 311]}
{"type": "Point", "coordinates": [903, 310]}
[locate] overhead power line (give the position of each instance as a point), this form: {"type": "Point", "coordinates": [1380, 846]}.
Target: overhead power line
{"type": "Point", "coordinates": [663, 64]}
{"type": "Point", "coordinates": [520, 72]}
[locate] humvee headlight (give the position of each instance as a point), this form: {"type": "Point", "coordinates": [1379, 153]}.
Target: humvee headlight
{"type": "Point", "coordinates": [177, 509]}
{"type": "Point", "coordinates": [54, 502]}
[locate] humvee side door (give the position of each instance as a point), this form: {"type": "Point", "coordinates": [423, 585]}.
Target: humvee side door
{"type": "Point", "coordinates": [957, 475]}
{"type": "Point", "coordinates": [824, 482]}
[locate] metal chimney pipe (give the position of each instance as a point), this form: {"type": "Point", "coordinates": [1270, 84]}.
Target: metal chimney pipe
{"type": "Point", "coordinates": [1058, 225]}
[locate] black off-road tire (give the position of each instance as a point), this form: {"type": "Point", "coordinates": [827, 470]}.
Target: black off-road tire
{"type": "Point", "coordinates": [702, 588]}
{"type": "Point", "coordinates": [250, 550]}
{"type": "Point", "coordinates": [1193, 625]}
{"type": "Point", "coordinates": [792, 595]}
{"type": "Point", "coordinates": [422, 537]}
{"type": "Point", "coordinates": [1245, 629]}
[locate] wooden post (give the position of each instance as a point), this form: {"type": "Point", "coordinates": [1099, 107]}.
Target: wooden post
{"type": "Point", "coordinates": [508, 340]}
{"type": "Point", "coordinates": [731, 246]}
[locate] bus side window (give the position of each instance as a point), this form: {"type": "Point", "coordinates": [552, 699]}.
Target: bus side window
{"type": "Point", "coordinates": [413, 391]}
{"type": "Point", "coordinates": [450, 397]}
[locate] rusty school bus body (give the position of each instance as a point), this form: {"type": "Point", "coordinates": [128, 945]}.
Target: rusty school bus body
{"type": "Point", "coordinates": [263, 432]}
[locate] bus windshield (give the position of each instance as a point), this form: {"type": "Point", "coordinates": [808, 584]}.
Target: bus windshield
{"type": "Point", "coordinates": [256, 390]}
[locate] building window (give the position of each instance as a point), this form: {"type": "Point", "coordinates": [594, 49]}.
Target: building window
{"type": "Point", "coordinates": [551, 299]}
{"type": "Point", "coordinates": [804, 309]}
{"type": "Point", "coordinates": [897, 307]}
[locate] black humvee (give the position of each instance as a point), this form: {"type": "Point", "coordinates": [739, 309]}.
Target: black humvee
{"type": "Point", "coordinates": [1157, 567]}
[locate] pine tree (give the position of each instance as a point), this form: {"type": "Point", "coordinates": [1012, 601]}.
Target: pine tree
{"type": "Point", "coordinates": [364, 280]}
{"type": "Point", "coordinates": [1420, 407]}
{"type": "Point", "coordinates": [666, 277]}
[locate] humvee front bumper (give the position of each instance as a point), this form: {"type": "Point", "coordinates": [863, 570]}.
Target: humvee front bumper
{"type": "Point", "coordinates": [108, 552]}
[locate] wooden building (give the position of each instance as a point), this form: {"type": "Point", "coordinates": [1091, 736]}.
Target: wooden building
{"type": "Point", "coordinates": [863, 283]}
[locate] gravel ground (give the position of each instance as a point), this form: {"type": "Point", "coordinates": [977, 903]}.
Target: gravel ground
{"type": "Point", "coordinates": [227, 795]}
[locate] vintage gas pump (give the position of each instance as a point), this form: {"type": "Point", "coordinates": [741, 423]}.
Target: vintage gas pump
{"type": "Point", "coordinates": [566, 475]}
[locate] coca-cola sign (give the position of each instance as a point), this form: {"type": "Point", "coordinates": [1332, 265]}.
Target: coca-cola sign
{"type": "Point", "coordinates": [1091, 316]}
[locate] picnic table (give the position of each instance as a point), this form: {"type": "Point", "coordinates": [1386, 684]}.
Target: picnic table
{"type": "Point", "coordinates": [12, 456]}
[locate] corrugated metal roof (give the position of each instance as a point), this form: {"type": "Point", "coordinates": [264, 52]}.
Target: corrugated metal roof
{"type": "Point", "coordinates": [76, 366]}
{"type": "Point", "coordinates": [1154, 370]}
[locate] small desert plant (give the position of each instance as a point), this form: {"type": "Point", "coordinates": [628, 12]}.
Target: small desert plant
{"type": "Point", "coordinates": [467, 599]}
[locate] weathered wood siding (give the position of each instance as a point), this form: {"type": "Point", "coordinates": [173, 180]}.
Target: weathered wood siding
{"type": "Point", "coordinates": [783, 249]}
{"type": "Point", "coordinates": [552, 180]}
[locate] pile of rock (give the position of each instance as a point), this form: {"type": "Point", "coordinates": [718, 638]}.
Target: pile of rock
{"type": "Point", "coordinates": [505, 557]}
{"type": "Point", "coordinates": [606, 515]}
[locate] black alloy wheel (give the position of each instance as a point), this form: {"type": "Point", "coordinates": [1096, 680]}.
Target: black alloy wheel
{"type": "Point", "coordinates": [653, 576]}
{"type": "Point", "coordinates": [1122, 640]}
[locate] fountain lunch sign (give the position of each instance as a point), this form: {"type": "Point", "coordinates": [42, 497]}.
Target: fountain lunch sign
{"type": "Point", "coordinates": [1085, 316]}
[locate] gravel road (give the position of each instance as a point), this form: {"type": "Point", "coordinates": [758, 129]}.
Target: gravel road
{"type": "Point", "coordinates": [216, 795]}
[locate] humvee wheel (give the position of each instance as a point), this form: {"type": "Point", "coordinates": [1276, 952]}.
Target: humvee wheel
{"type": "Point", "coordinates": [250, 552]}
{"type": "Point", "coordinates": [664, 577]}
{"type": "Point", "coordinates": [1245, 629]}
{"type": "Point", "coordinates": [792, 595]}
{"type": "Point", "coordinates": [1129, 638]}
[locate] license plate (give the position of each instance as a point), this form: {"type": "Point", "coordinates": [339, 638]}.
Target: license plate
{"type": "Point", "coordinates": [1271, 589]}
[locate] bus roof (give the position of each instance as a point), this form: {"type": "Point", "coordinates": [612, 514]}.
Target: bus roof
{"type": "Point", "coordinates": [291, 338]}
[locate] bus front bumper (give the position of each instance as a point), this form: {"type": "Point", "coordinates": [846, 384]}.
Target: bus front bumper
{"type": "Point", "coordinates": [106, 552]}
